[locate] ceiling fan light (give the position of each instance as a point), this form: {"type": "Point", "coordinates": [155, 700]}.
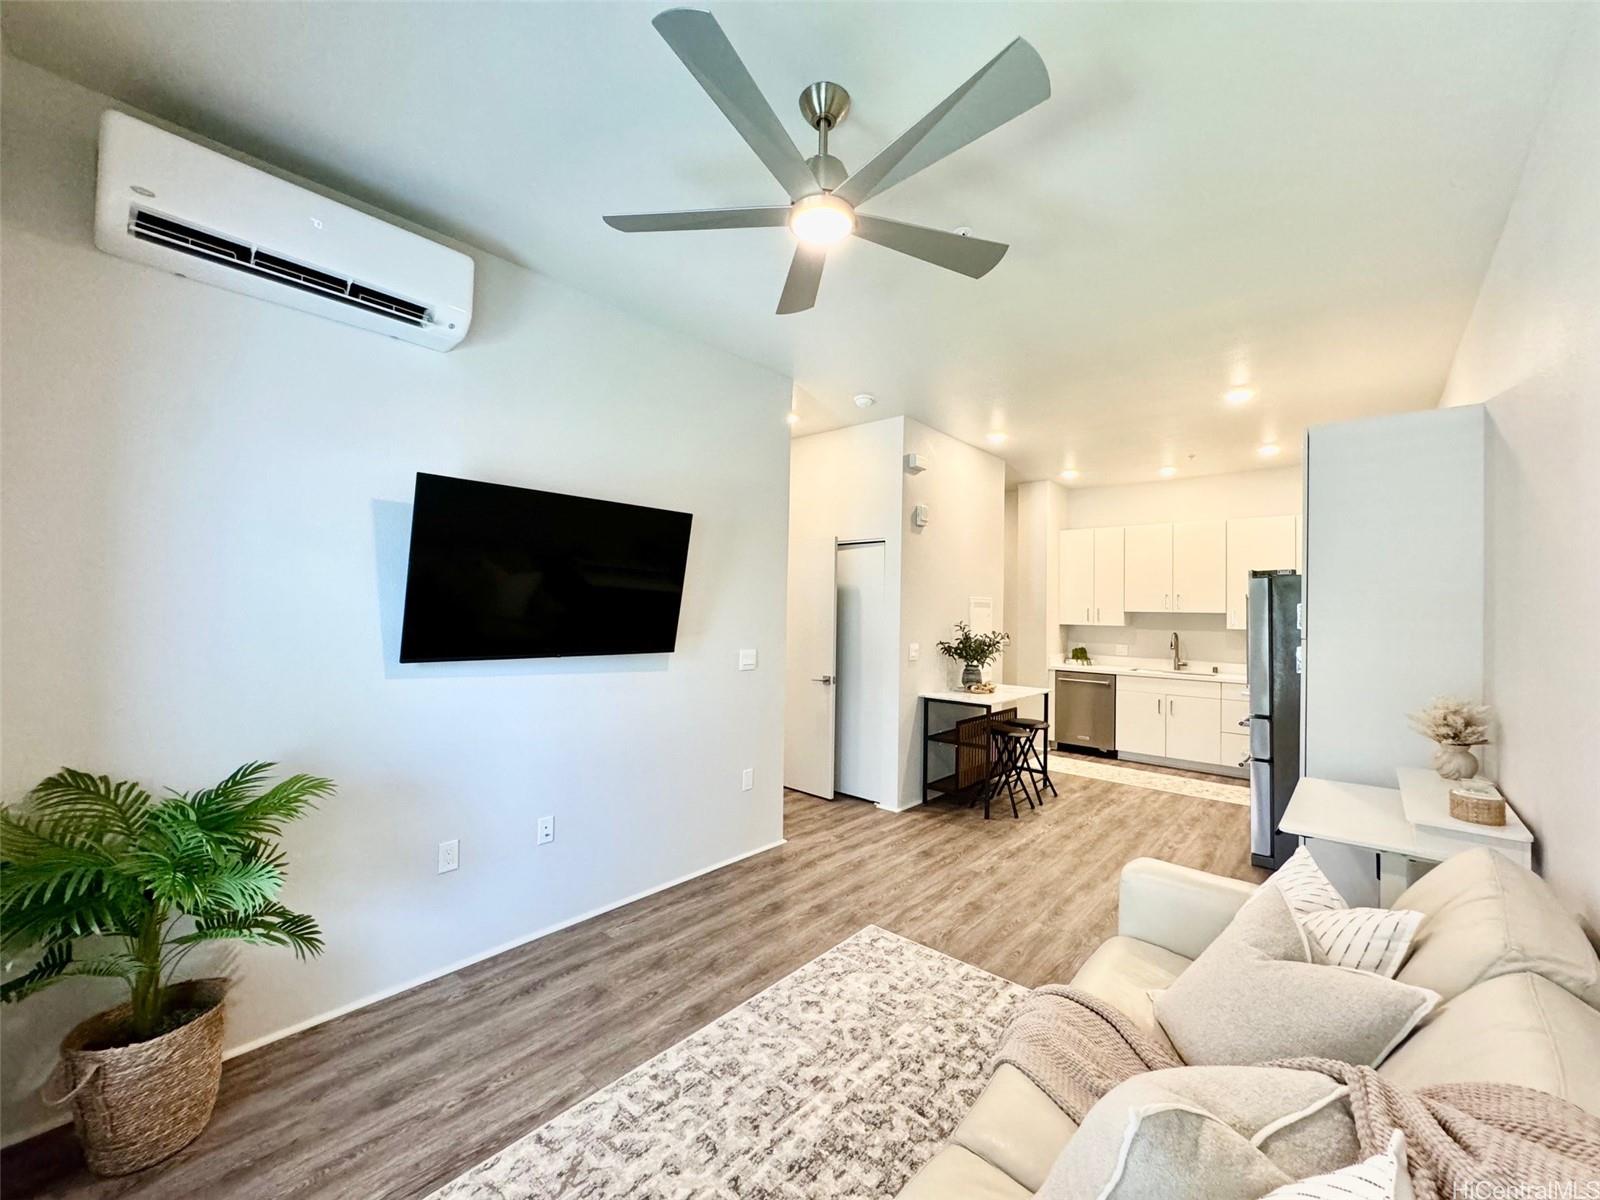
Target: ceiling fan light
{"type": "Point", "coordinates": [821, 220]}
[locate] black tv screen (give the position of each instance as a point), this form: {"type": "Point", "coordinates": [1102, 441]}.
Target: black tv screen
{"type": "Point", "coordinates": [508, 572]}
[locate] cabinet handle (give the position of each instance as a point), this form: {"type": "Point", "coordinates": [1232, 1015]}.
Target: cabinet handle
{"type": "Point", "coordinates": [1158, 706]}
{"type": "Point", "coordinates": [1172, 707]}
{"type": "Point", "coordinates": [1166, 600]}
{"type": "Point", "coordinates": [1180, 601]}
{"type": "Point", "coordinates": [1097, 614]}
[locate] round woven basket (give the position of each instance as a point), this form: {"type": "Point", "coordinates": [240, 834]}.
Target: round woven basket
{"type": "Point", "coordinates": [135, 1105]}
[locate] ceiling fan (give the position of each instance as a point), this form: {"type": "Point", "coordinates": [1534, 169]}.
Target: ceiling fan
{"type": "Point", "coordinates": [825, 199]}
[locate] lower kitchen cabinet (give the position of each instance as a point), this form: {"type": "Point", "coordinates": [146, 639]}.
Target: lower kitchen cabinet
{"type": "Point", "coordinates": [1141, 722]}
{"type": "Point", "coordinates": [1193, 728]}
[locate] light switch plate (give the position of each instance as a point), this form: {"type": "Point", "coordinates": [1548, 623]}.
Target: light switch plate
{"type": "Point", "coordinates": [915, 652]}
{"type": "Point", "coordinates": [748, 660]}
{"type": "Point", "coordinates": [748, 780]}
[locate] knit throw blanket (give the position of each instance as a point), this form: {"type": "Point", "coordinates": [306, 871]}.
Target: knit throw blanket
{"type": "Point", "coordinates": [1461, 1137]}
{"type": "Point", "coordinates": [1076, 1047]}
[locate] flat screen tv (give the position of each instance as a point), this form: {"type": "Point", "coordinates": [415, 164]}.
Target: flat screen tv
{"type": "Point", "coordinates": [508, 572]}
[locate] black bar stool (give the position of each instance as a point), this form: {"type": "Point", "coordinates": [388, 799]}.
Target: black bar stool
{"type": "Point", "coordinates": [1008, 743]}
{"type": "Point", "coordinates": [1033, 756]}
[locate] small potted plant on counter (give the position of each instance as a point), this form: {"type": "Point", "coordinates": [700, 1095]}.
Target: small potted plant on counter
{"type": "Point", "coordinates": [1456, 725]}
{"type": "Point", "coordinates": [975, 650]}
{"type": "Point", "coordinates": [102, 879]}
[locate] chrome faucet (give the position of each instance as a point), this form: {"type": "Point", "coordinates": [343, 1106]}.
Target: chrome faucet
{"type": "Point", "coordinates": [1177, 657]}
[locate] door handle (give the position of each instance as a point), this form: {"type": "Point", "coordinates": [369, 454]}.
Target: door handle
{"type": "Point", "coordinates": [1245, 761]}
{"type": "Point", "coordinates": [1245, 724]}
{"type": "Point", "coordinates": [822, 679]}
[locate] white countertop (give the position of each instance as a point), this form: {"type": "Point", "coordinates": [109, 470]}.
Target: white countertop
{"type": "Point", "coordinates": [1158, 668]}
{"type": "Point", "coordinates": [1003, 694]}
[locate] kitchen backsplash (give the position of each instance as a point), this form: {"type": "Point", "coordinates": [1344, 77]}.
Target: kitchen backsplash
{"type": "Point", "coordinates": [1148, 635]}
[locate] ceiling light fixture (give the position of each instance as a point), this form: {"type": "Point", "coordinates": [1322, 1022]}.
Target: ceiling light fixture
{"type": "Point", "coordinates": [821, 220]}
{"type": "Point", "coordinates": [1267, 449]}
{"type": "Point", "coordinates": [996, 438]}
{"type": "Point", "coordinates": [1167, 472]}
{"type": "Point", "coordinates": [865, 400]}
{"type": "Point", "coordinates": [1069, 474]}
{"type": "Point", "coordinates": [1236, 396]}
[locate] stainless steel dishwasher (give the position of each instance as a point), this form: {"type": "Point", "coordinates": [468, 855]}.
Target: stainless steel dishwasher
{"type": "Point", "coordinates": [1086, 710]}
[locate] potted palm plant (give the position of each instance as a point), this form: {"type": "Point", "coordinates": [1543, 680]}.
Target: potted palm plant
{"type": "Point", "coordinates": [102, 879]}
{"type": "Point", "coordinates": [975, 650]}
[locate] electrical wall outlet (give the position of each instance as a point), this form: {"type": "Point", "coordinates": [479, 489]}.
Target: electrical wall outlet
{"type": "Point", "coordinates": [449, 855]}
{"type": "Point", "coordinates": [547, 830]}
{"type": "Point", "coordinates": [748, 779]}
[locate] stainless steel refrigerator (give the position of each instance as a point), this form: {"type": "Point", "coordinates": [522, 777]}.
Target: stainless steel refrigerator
{"type": "Point", "coordinates": [1275, 664]}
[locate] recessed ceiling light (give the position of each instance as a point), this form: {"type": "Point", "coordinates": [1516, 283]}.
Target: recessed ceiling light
{"type": "Point", "coordinates": [792, 417]}
{"type": "Point", "coordinates": [864, 400]}
{"type": "Point", "coordinates": [996, 438]}
{"type": "Point", "coordinates": [1167, 472]}
{"type": "Point", "coordinates": [1239, 395]}
{"type": "Point", "coordinates": [1069, 474]}
{"type": "Point", "coordinates": [1267, 449]}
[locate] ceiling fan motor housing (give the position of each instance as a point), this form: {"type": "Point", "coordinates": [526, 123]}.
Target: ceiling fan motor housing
{"type": "Point", "coordinates": [824, 101]}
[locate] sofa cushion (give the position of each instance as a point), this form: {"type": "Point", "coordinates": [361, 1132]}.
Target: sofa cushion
{"type": "Point", "coordinates": [1514, 1029]}
{"type": "Point", "coordinates": [1225, 1133]}
{"type": "Point", "coordinates": [1015, 1127]}
{"type": "Point", "coordinates": [956, 1173]}
{"type": "Point", "coordinates": [1486, 916]}
{"type": "Point", "coordinates": [1123, 971]}
{"type": "Point", "coordinates": [1256, 995]}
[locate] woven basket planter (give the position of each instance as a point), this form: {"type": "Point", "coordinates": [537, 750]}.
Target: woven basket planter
{"type": "Point", "coordinates": [136, 1105]}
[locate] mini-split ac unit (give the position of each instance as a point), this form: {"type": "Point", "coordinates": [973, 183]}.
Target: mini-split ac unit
{"type": "Point", "coordinates": [167, 202]}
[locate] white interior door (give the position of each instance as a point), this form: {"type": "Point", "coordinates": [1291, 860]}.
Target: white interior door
{"type": "Point", "coordinates": [862, 693]}
{"type": "Point", "coordinates": [808, 720]}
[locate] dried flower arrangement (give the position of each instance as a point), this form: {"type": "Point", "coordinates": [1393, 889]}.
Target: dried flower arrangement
{"type": "Point", "coordinates": [1452, 722]}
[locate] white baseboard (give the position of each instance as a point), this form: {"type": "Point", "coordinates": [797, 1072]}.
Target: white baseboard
{"type": "Point", "coordinates": [460, 964]}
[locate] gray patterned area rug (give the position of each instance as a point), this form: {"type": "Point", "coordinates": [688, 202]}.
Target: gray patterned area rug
{"type": "Point", "coordinates": [840, 1079]}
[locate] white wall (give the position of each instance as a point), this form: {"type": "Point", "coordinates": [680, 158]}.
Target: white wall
{"type": "Point", "coordinates": [844, 485]}
{"type": "Point", "coordinates": [1532, 352]}
{"type": "Point", "coordinates": [205, 521]}
{"type": "Point", "coordinates": [1394, 585]}
{"type": "Point", "coordinates": [959, 554]}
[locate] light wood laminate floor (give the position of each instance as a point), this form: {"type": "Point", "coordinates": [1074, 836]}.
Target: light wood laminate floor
{"type": "Point", "coordinates": [399, 1097]}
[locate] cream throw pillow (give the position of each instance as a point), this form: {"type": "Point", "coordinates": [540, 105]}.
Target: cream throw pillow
{"type": "Point", "coordinates": [1225, 1133]}
{"type": "Point", "coordinates": [1256, 993]}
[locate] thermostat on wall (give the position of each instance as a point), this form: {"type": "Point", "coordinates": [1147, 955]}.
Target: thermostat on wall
{"type": "Point", "coordinates": [919, 515]}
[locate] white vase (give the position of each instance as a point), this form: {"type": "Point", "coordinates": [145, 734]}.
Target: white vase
{"type": "Point", "coordinates": [1454, 762]}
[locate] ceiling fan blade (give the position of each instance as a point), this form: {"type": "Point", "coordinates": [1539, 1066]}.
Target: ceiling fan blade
{"type": "Point", "coordinates": [971, 256]}
{"type": "Point", "coordinates": [703, 218]}
{"type": "Point", "coordinates": [1011, 83]}
{"type": "Point", "coordinates": [805, 274]}
{"type": "Point", "coordinates": [698, 40]}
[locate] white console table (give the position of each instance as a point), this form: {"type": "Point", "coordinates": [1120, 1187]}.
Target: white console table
{"type": "Point", "coordinates": [1388, 822]}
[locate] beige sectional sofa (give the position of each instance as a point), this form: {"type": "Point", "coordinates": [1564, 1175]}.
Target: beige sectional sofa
{"type": "Point", "coordinates": [1519, 979]}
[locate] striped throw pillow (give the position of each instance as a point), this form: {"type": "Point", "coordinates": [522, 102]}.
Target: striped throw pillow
{"type": "Point", "coordinates": [1381, 1177]}
{"type": "Point", "coordinates": [1304, 886]}
{"type": "Point", "coordinates": [1366, 939]}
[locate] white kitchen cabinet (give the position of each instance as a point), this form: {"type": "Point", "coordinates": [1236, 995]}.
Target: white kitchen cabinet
{"type": "Point", "coordinates": [1109, 608]}
{"type": "Point", "coordinates": [1194, 728]}
{"type": "Point", "coordinates": [1141, 723]}
{"type": "Point", "coordinates": [1147, 568]}
{"type": "Point", "coordinates": [1199, 566]}
{"type": "Point", "coordinates": [1257, 544]}
{"type": "Point", "coordinates": [1075, 602]}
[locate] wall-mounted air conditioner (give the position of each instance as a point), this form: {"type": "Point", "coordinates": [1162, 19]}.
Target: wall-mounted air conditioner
{"type": "Point", "coordinates": [167, 202]}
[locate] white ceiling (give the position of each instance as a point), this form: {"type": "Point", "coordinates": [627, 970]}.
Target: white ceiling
{"type": "Point", "coordinates": [1304, 196]}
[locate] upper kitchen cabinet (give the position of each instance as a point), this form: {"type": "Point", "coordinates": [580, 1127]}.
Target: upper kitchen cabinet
{"type": "Point", "coordinates": [1109, 605]}
{"type": "Point", "coordinates": [1199, 566]}
{"type": "Point", "coordinates": [1076, 599]}
{"type": "Point", "coordinates": [1257, 544]}
{"type": "Point", "coordinates": [1147, 568]}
